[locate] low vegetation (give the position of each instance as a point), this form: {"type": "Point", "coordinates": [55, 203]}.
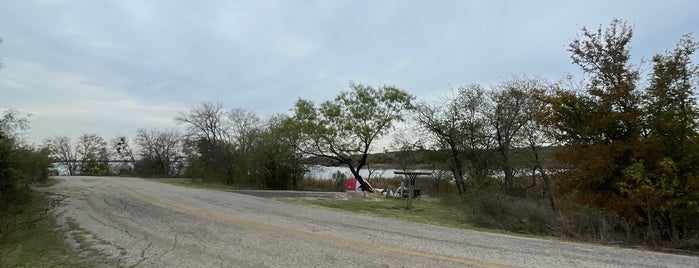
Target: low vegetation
{"type": "Point", "coordinates": [425, 210]}
{"type": "Point", "coordinates": [30, 236]}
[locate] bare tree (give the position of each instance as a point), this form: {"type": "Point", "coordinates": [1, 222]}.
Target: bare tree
{"type": "Point", "coordinates": [208, 142]}
{"type": "Point", "coordinates": [93, 154]}
{"type": "Point", "coordinates": [160, 150]}
{"type": "Point", "coordinates": [442, 124]}
{"type": "Point", "coordinates": [63, 151]}
{"type": "Point", "coordinates": [13, 124]}
{"type": "Point", "coordinates": [124, 153]}
{"type": "Point", "coordinates": [244, 124]}
{"type": "Point", "coordinates": [246, 133]}
{"type": "Point", "coordinates": [206, 122]}
{"type": "Point", "coordinates": [123, 150]}
{"type": "Point", "coordinates": [536, 136]}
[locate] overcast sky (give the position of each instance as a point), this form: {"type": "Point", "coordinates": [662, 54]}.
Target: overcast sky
{"type": "Point", "coordinates": [111, 67]}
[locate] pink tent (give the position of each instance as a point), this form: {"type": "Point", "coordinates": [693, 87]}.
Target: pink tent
{"type": "Point", "coordinates": [352, 184]}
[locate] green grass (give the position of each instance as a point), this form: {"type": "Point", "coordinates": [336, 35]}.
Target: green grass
{"type": "Point", "coordinates": [30, 237]}
{"type": "Point", "coordinates": [424, 210]}
{"type": "Point", "coordinates": [195, 184]}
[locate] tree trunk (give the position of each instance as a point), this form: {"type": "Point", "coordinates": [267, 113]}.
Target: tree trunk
{"type": "Point", "coordinates": [364, 185]}
{"type": "Point", "coordinates": [457, 169]}
{"type": "Point", "coordinates": [549, 189]}
{"type": "Point", "coordinates": [545, 178]}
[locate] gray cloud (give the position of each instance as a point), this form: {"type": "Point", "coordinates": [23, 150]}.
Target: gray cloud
{"type": "Point", "coordinates": [114, 66]}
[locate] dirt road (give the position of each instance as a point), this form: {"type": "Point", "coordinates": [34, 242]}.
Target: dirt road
{"type": "Point", "coordinates": [140, 223]}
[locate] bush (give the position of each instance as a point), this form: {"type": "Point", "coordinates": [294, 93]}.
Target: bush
{"type": "Point", "coordinates": [338, 181]}
{"type": "Point", "coordinates": [20, 166]}
{"type": "Point", "coordinates": [518, 214]}
{"type": "Point", "coordinates": [313, 184]}
{"type": "Point", "coordinates": [488, 207]}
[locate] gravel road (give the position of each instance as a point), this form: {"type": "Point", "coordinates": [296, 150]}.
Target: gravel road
{"type": "Point", "coordinates": [130, 222]}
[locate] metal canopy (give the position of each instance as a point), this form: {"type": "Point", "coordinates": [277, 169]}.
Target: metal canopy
{"type": "Point", "coordinates": [411, 175]}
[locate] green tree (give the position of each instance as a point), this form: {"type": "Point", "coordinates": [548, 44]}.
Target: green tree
{"type": "Point", "coordinates": [513, 110]}
{"type": "Point", "coordinates": [460, 128]}
{"type": "Point", "coordinates": [277, 163]}
{"type": "Point", "coordinates": [671, 104]}
{"type": "Point", "coordinates": [601, 129]}
{"type": "Point", "coordinates": [670, 160]}
{"type": "Point", "coordinates": [343, 130]}
{"type": "Point", "coordinates": [627, 151]}
{"type": "Point", "coordinates": [20, 164]}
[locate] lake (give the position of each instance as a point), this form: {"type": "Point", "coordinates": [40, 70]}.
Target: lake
{"type": "Point", "coordinates": [323, 172]}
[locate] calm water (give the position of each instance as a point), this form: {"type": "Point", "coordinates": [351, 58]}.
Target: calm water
{"type": "Point", "coordinates": [315, 171]}
{"type": "Point", "coordinates": [323, 172]}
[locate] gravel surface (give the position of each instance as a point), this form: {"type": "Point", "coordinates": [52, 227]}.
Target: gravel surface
{"type": "Point", "coordinates": [133, 222]}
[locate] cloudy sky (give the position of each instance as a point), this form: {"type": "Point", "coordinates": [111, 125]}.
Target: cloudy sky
{"type": "Point", "coordinates": [113, 66]}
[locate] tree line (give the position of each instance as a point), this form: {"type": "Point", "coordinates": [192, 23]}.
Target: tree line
{"type": "Point", "coordinates": [625, 141]}
{"type": "Point", "coordinates": [234, 147]}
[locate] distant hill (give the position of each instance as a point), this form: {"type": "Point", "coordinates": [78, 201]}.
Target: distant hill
{"type": "Point", "coordinates": [428, 159]}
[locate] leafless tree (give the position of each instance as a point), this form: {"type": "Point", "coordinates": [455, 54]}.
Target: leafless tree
{"type": "Point", "coordinates": [206, 122]}
{"type": "Point", "coordinates": [160, 150]}
{"type": "Point", "coordinates": [207, 141]}
{"type": "Point", "coordinates": [91, 147]}
{"type": "Point", "coordinates": [63, 151]}
{"type": "Point", "coordinates": [244, 125]}
{"type": "Point", "coordinates": [122, 149]}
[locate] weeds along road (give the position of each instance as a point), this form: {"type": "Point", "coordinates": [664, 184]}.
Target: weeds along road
{"type": "Point", "coordinates": [130, 222]}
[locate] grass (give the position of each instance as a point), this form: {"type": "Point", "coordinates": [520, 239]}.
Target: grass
{"type": "Point", "coordinates": [424, 210]}
{"type": "Point", "coordinates": [195, 184]}
{"type": "Point", "coordinates": [30, 237]}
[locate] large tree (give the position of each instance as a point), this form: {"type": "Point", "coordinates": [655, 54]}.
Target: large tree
{"type": "Point", "coordinates": [206, 122]}
{"type": "Point", "coordinates": [628, 150]}
{"type": "Point", "coordinates": [513, 110]}
{"type": "Point", "coordinates": [122, 149]}
{"type": "Point", "coordinates": [460, 129]}
{"type": "Point", "coordinates": [276, 162]}
{"type": "Point", "coordinates": [663, 183]}
{"type": "Point", "coordinates": [671, 103]}
{"type": "Point", "coordinates": [93, 155]}
{"type": "Point", "coordinates": [160, 151]}
{"type": "Point", "coordinates": [599, 125]}
{"type": "Point", "coordinates": [123, 152]}
{"type": "Point", "coordinates": [62, 151]}
{"type": "Point", "coordinates": [246, 131]}
{"type": "Point", "coordinates": [208, 142]}
{"type": "Point", "coordinates": [87, 156]}
{"type": "Point", "coordinates": [343, 130]}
